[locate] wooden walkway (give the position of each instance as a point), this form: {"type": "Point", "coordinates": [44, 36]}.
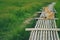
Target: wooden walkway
{"type": "Point", "coordinates": [45, 29]}
{"type": "Point", "coordinates": [44, 34]}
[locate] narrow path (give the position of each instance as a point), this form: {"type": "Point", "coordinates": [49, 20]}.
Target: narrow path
{"type": "Point", "coordinates": [45, 34]}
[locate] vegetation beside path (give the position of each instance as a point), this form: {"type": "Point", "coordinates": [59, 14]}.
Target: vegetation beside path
{"type": "Point", "coordinates": [15, 16]}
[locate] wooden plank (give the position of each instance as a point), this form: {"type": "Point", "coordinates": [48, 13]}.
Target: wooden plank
{"type": "Point", "coordinates": [56, 31]}
{"type": "Point", "coordinates": [46, 19]}
{"type": "Point", "coordinates": [51, 29]}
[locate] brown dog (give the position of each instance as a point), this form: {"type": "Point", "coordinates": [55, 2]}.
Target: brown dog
{"type": "Point", "coordinates": [49, 14]}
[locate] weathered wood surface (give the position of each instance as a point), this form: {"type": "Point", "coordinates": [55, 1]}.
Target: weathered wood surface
{"type": "Point", "coordinates": [45, 29]}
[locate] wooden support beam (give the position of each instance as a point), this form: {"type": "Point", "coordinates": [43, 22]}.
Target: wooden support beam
{"type": "Point", "coordinates": [46, 19]}
{"type": "Point", "coordinates": [51, 29]}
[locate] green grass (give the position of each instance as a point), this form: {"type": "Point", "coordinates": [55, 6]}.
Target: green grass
{"type": "Point", "coordinates": [13, 14]}
{"type": "Point", "coordinates": [58, 14]}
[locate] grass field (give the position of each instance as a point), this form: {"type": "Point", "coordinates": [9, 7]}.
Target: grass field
{"type": "Point", "coordinates": [15, 16]}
